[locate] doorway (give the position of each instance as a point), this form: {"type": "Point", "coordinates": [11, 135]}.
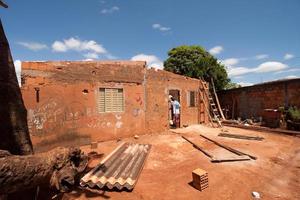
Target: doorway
{"type": "Point", "coordinates": [174, 119]}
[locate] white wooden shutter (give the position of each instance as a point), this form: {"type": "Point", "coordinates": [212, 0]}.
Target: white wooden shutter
{"type": "Point", "coordinates": [111, 100]}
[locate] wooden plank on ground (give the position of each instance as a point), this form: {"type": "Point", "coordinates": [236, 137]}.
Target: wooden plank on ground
{"type": "Point", "coordinates": [237, 152]}
{"type": "Point", "coordinates": [264, 129]}
{"type": "Point", "coordinates": [240, 158]}
{"type": "Point", "coordinates": [243, 137]}
{"type": "Point", "coordinates": [198, 147]}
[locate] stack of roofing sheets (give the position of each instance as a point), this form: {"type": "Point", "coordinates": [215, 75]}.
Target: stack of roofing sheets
{"type": "Point", "coordinates": [120, 169]}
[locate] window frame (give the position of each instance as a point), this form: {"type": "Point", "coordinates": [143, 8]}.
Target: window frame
{"type": "Point", "coordinates": [189, 99]}
{"type": "Point", "coordinates": [105, 107]}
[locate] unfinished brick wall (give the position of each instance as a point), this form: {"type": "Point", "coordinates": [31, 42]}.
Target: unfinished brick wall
{"type": "Point", "coordinates": [61, 99]}
{"type": "Point", "coordinates": [158, 84]}
{"type": "Point", "coordinates": [248, 102]}
{"type": "Point", "coordinates": [66, 110]}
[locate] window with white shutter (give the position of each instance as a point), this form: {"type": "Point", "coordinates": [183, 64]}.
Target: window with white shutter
{"type": "Point", "coordinates": [110, 100]}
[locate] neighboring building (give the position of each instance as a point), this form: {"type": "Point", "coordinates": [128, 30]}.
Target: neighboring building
{"type": "Point", "coordinates": [83, 101]}
{"type": "Point", "coordinates": [248, 102]}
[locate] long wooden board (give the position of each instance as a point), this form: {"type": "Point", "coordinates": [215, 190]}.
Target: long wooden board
{"type": "Point", "coordinates": [237, 152]}
{"type": "Point", "coordinates": [243, 137]}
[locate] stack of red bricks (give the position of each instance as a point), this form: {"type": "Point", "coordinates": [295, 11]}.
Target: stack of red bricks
{"type": "Point", "coordinates": [200, 179]}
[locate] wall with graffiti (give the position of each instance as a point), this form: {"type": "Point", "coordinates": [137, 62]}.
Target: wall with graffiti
{"type": "Point", "coordinates": [69, 114]}
{"type": "Point", "coordinates": [64, 106]}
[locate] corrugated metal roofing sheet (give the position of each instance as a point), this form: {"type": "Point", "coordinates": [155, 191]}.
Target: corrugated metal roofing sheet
{"type": "Point", "coordinates": [120, 169]}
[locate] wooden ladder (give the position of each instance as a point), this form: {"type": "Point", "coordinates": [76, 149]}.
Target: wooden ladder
{"type": "Point", "coordinates": [214, 107]}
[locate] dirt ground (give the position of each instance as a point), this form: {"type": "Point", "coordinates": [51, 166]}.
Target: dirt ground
{"type": "Point", "coordinates": [167, 173]}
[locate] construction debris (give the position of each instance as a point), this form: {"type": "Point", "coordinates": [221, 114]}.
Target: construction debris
{"type": "Point", "coordinates": [240, 158]}
{"type": "Point", "coordinates": [57, 168]}
{"type": "Point", "coordinates": [244, 137]}
{"type": "Point", "coordinates": [263, 129]}
{"type": "Point", "coordinates": [120, 169]}
{"type": "Point", "coordinates": [256, 195]}
{"type": "Point", "coordinates": [200, 179]}
{"type": "Point", "coordinates": [198, 147]}
{"type": "Point", "coordinates": [229, 148]}
{"type": "Point", "coordinates": [214, 159]}
{"type": "Point", "coordinates": [94, 145]}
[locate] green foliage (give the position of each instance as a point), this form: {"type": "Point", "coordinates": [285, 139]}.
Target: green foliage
{"type": "Point", "coordinates": [281, 109]}
{"type": "Point", "coordinates": [232, 85]}
{"type": "Point", "coordinates": [293, 114]}
{"type": "Point", "coordinates": [196, 62]}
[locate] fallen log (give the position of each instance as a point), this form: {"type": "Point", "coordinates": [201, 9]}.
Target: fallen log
{"type": "Point", "coordinates": [57, 168]}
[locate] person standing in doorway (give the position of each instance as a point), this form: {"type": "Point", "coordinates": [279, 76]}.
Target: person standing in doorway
{"type": "Point", "coordinates": [176, 112]}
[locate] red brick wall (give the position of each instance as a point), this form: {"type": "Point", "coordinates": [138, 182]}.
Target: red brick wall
{"type": "Point", "coordinates": [158, 84]}
{"type": "Point", "coordinates": [250, 101]}
{"type": "Point", "coordinates": [65, 114]}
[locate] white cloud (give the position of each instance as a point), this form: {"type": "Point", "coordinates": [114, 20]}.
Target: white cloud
{"type": "Point", "coordinates": [288, 56]}
{"type": "Point", "coordinates": [230, 61]}
{"type": "Point", "coordinates": [34, 46]}
{"type": "Point", "coordinates": [90, 47]}
{"type": "Point", "coordinates": [239, 77]}
{"type": "Point", "coordinates": [160, 27]}
{"type": "Point", "coordinates": [59, 46]}
{"type": "Point", "coordinates": [289, 70]}
{"type": "Point", "coordinates": [237, 71]}
{"type": "Point", "coordinates": [270, 66]}
{"type": "Point", "coordinates": [152, 60]}
{"type": "Point", "coordinates": [291, 77]}
{"type": "Point", "coordinates": [90, 55]}
{"type": "Point", "coordinates": [243, 84]}
{"type": "Point", "coordinates": [110, 10]}
{"type": "Point", "coordinates": [78, 45]}
{"type": "Point", "coordinates": [216, 50]}
{"type": "Point", "coordinates": [18, 64]}
{"type": "Point", "coordinates": [261, 56]}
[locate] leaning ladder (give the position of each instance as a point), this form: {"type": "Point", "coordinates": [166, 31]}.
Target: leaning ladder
{"type": "Point", "coordinates": [214, 108]}
{"type": "Point", "coordinates": [218, 107]}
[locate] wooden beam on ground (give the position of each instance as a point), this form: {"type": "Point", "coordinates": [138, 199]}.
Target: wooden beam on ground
{"type": "Point", "coordinates": [198, 147]}
{"type": "Point", "coordinates": [240, 158]}
{"type": "Point", "coordinates": [243, 137]}
{"type": "Point", "coordinates": [264, 129]}
{"type": "Point", "coordinates": [237, 152]}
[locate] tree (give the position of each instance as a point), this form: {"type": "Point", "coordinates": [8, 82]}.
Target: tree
{"type": "Point", "coordinates": [21, 171]}
{"type": "Point", "coordinates": [232, 85]}
{"type": "Point", "coordinates": [13, 120]}
{"type": "Point", "coordinates": [195, 61]}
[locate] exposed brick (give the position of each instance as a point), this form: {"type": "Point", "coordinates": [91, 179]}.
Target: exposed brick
{"type": "Point", "coordinates": [251, 101]}
{"type": "Point", "coordinates": [67, 107]}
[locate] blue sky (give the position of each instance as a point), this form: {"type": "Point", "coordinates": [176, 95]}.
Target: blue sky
{"type": "Point", "coordinates": [257, 40]}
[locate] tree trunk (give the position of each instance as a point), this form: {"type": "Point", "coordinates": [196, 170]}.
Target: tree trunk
{"type": "Point", "coordinates": [57, 168]}
{"type": "Point", "coordinates": [13, 118]}
{"type": "Point", "coordinates": [20, 175]}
